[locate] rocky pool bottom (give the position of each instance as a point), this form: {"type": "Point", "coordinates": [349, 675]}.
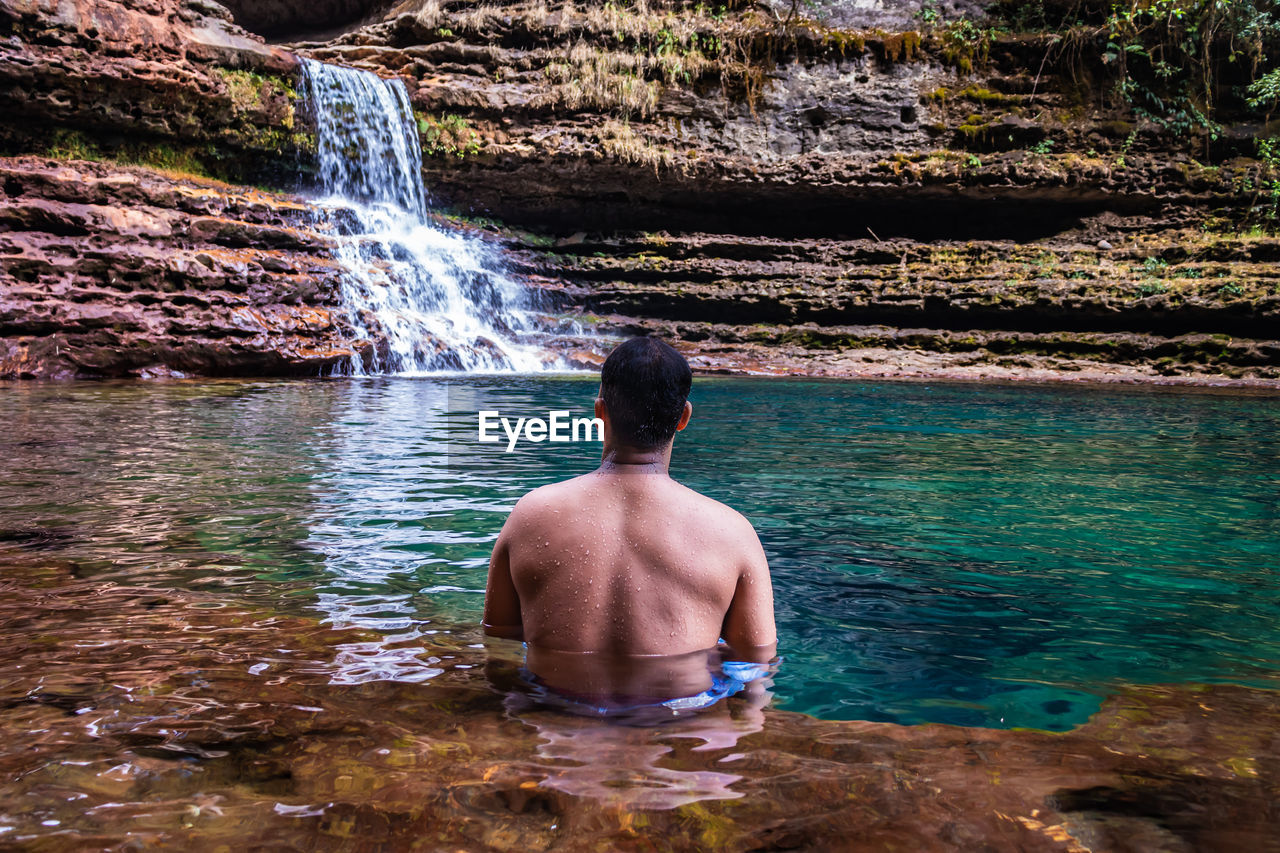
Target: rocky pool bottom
{"type": "Point", "coordinates": [244, 615]}
{"type": "Point", "coordinates": [135, 718]}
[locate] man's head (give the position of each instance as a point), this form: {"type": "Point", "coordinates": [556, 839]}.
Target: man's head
{"type": "Point", "coordinates": [644, 389]}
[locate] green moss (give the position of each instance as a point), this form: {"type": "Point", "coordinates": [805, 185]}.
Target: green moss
{"type": "Point", "coordinates": [898, 47]}
{"type": "Point", "coordinates": [1116, 129]}
{"type": "Point", "coordinates": [72, 145]}
{"type": "Point", "coordinates": [844, 41]}
{"type": "Point", "coordinates": [447, 136]}
{"type": "Point", "coordinates": [476, 221]}
{"type": "Point", "coordinates": [973, 131]}
{"type": "Point", "coordinates": [184, 160]}
{"type": "Point", "coordinates": [980, 95]}
{"type": "Point", "coordinates": [249, 90]}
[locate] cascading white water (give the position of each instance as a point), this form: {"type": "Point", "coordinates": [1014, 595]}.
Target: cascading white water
{"type": "Point", "coordinates": [433, 300]}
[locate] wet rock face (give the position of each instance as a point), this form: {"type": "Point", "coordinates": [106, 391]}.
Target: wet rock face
{"type": "Point", "coordinates": [112, 271]}
{"type": "Point", "coordinates": [165, 82]}
{"type": "Point", "coordinates": [816, 106]}
{"type": "Point", "coordinates": [877, 184]}
{"type": "Point", "coordinates": [1152, 307]}
{"type": "Point", "coordinates": [883, 14]}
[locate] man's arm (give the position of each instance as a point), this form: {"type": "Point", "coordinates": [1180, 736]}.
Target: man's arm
{"type": "Point", "coordinates": [501, 602]}
{"type": "Point", "coordinates": [748, 625]}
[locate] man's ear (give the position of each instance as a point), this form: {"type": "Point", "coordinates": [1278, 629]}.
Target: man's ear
{"type": "Point", "coordinates": [601, 413]}
{"type": "Point", "coordinates": [684, 416]}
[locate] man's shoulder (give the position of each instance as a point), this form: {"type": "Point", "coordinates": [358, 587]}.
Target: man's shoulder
{"type": "Point", "coordinates": [550, 496]}
{"type": "Point", "coordinates": [707, 507]}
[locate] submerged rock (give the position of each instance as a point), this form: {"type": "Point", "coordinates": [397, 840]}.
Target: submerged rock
{"type": "Point", "coordinates": [206, 723]}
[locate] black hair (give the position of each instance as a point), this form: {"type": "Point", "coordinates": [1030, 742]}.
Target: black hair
{"type": "Point", "coordinates": [644, 384]}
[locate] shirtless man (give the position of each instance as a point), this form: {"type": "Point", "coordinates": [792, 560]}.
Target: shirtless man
{"type": "Point", "coordinates": [626, 564]}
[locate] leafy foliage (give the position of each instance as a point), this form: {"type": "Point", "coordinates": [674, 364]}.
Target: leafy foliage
{"type": "Point", "coordinates": [1178, 60]}
{"type": "Point", "coordinates": [966, 43]}
{"type": "Point", "coordinates": [448, 136]}
{"type": "Point", "coordinates": [1269, 154]}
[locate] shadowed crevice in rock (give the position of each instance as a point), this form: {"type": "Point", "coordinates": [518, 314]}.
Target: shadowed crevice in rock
{"type": "Point", "coordinates": [289, 20]}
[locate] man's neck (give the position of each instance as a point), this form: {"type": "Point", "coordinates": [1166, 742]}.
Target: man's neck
{"type": "Point", "coordinates": [622, 458]}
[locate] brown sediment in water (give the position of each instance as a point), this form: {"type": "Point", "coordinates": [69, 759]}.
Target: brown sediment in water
{"type": "Point", "coordinates": [144, 717]}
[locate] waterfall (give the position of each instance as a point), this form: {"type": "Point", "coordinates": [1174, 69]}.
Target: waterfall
{"type": "Point", "coordinates": [430, 299]}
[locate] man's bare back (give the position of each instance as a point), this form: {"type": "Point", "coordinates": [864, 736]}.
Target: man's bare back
{"type": "Point", "coordinates": [626, 562]}
{"type": "Point", "coordinates": [632, 563]}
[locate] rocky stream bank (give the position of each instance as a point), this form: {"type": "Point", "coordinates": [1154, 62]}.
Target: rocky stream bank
{"type": "Point", "coordinates": [779, 195]}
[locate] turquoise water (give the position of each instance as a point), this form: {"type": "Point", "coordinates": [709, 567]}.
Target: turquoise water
{"type": "Point", "coordinates": [978, 555]}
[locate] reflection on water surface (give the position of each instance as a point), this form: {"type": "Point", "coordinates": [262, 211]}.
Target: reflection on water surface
{"type": "Point", "coordinates": [245, 613]}
{"type": "Point", "coordinates": [992, 556]}
{"type": "Point", "coordinates": [131, 719]}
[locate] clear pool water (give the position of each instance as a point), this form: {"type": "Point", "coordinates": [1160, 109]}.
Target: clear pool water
{"type": "Point", "coordinates": [978, 555]}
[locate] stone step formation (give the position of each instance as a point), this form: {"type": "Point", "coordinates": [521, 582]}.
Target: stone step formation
{"type": "Point", "coordinates": [870, 193]}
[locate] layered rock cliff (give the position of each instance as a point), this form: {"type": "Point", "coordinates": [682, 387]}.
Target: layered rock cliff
{"type": "Point", "coordinates": [902, 189]}
{"type": "Point", "coordinates": [116, 270]}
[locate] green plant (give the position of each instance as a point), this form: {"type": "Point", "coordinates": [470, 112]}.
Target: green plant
{"type": "Point", "coordinates": [1151, 288]}
{"type": "Point", "coordinates": [1022, 16]}
{"type": "Point", "coordinates": [1175, 59]}
{"type": "Point", "coordinates": [965, 43]}
{"type": "Point", "coordinates": [1124, 149]}
{"type": "Point", "coordinates": [1043, 147]}
{"type": "Point", "coordinates": [1230, 289]}
{"type": "Point", "coordinates": [929, 14]}
{"type": "Point", "coordinates": [72, 145]}
{"type": "Point", "coordinates": [1268, 148]}
{"type": "Point", "coordinates": [1154, 266]}
{"type": "Point", "coordinates": [1265, 91]}
{"type": "Point", "coordinates": [250, 91]}
{"type": "Point", "coordinates": [448, 136]}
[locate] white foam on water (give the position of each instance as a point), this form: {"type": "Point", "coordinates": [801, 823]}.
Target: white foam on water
{"type": "Point", "coordinates": [431, 300]}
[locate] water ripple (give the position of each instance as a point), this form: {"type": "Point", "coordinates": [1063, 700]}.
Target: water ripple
{"type": "Point", "coordinates": [974, 555]}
